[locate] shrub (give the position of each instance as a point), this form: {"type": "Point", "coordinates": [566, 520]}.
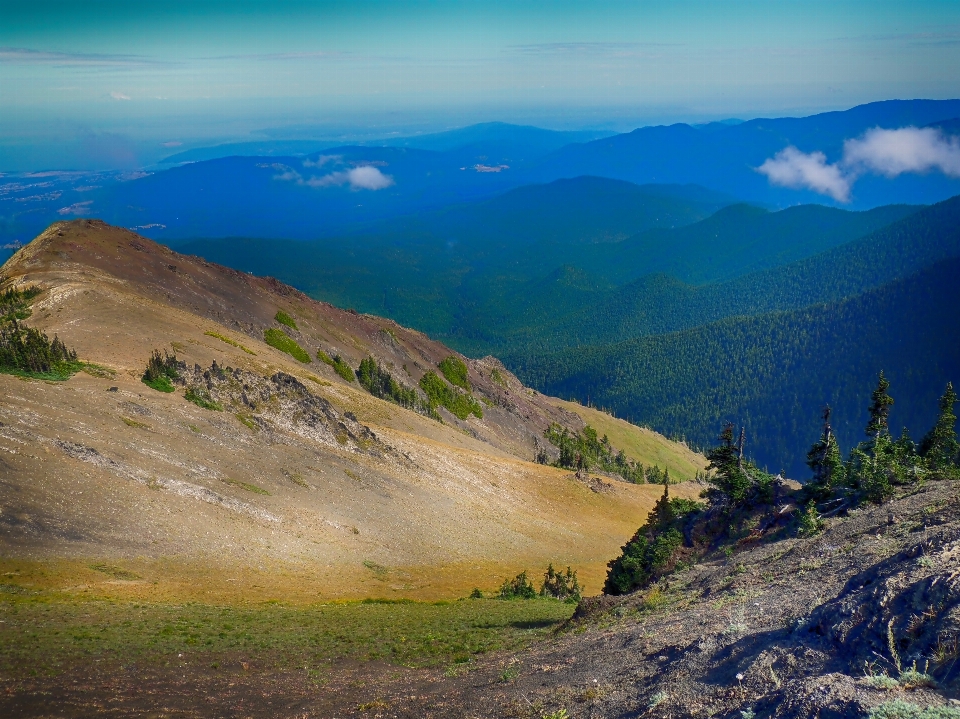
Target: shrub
{"type": "Point", "coordinates": [455, 371]}
{"type": "Point", "coordinates": [560, 585]}
{"type": "Point", "coordinates": [161, 369]}
{"type": "Point", "coordinates": [339, 365]}
{"type": "Point", "coordinates": [281, 341]}
{"type": "Point", "coordinates": [232, 343]}
{"type": "Point", "coordinates": [285, 319]}
{"type": "Point", "coordinates": [460, 404]}
{"type": "Point", "coordinates": [810, 522]}
{"type": "Point", "coordinates": [201, 397]}
{"type": "Point", "coordinates": [476, 593]}
{"type": "Point", "coordinates": [518, 588]}
{"type": "Point", "coordinates": [378, 382]}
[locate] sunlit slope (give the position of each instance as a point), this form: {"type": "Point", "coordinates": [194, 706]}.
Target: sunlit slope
{"type": "Point", "coordinates": [258, 502]}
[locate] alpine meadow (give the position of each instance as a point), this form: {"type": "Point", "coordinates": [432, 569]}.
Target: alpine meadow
{"type": "Point", "coordinates": [479, 360]}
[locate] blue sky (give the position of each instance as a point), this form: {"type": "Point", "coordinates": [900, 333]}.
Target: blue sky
{"type": "Point", "coordinates": [121, 83]}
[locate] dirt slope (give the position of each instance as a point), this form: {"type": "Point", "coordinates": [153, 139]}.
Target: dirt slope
{"type": "Point", "coordinates": [304, 485]}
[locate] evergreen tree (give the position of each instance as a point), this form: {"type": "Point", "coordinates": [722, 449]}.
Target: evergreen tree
{"type": "Point", "coordinates": [730, 477]}
{"type": "Point", "coordinates": [825, 460]}
{"type": "Point", "coordinates": [879, 408]}
{"type": "Point", "coordinates": [940, 447]}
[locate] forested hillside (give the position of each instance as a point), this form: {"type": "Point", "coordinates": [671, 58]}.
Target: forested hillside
{"type": "Point", "coordinates": [774, 372]}
{"type": "Point", "coordinates": [543, 267]}
{"type": "Point", "coordinates": [656, 304]}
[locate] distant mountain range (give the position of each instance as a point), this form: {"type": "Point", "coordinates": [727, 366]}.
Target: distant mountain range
{"type": "Point", "coordinates": [749, 315]}
{"type": "Point", "coordinates": [305, 189]}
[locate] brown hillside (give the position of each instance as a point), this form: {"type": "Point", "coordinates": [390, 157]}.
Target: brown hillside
{"type": "Point", "coordinates": [304, 485]}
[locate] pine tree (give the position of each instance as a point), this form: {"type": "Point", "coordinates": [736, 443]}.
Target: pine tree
{"type": "Point", "coordinates": [879, 408]}
{"type": "Point", "coordinates": [730, 478]}
{"type": "Point", "coordinates": [940, 447]}
{"type": "Point", "coordinates": [825, 460]}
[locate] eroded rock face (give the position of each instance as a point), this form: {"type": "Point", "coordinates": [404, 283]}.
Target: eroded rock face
{"type": "Point", "coordinates": [278, 402]}
{"type": "Point", "coordinates": [901, 613]}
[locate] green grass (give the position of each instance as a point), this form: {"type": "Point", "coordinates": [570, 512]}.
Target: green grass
{"type": "Point", "coordinates": [50, 634]}
{"type": "Point", "coordinates": [161, 383]}
{"type": "Point", "coordinates": [247, 421]}
{"type": "Point", "coordinates": [279, 340]}
{"type": "Point", "coordinates": [134, 423]}
{"type": "Point", "coordinates": [201, 397]}
{"type": "Point", "coordinates": [61, 372]}
{"type": "Point", "coordinates": [285, 319]}
{"type": "Point", "coordinates": [229, 341]}
{"type": "Point", "coordinates": [245, 485]}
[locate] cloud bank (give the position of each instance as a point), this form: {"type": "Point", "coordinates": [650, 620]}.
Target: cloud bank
{"type": "Point", "coordinates": [877, 151]}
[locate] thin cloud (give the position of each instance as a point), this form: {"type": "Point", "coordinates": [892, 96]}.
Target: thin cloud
{"type": "Point", "coordinates": [322, 160]}
{"type": "Point", "coordinates": [27, 56]}
{"type": "Point", "coordinates": [799, 170]}
{"type": "Point", "coordinates": [119, 96]}
{"type": "Point", "coordinates": [316, 55]}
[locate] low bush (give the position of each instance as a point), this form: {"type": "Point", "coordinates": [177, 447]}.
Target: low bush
{"type": "Point", "coordinates": [161, 369]}
{"type": "Point", "coordinates": [439, 393]}
{"type": "Point", "coordinates": [285, 319]}
{"type": "Point", "coordinates": [455, 371]}
{"type": "Point", "coordinates": [229, 341]}
{"type": "Point", "coordinates": [339, 365]}
{"type": "Point", "coordinates": [200, 396]}
{"type": "Point", "coordinates": [518, 588]}
{"type": "Point", "coordinates": [281, 341]}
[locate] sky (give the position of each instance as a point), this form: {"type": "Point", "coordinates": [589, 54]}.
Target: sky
{"type": "Point", "coordinates": [121, 84]}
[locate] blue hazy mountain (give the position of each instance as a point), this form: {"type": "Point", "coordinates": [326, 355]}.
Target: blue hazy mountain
{"type": "Point", "coordinates": [724, 157]}
{"type": "Point", "coordinates": [308, 197]}
{"type": "Point", "coordinates": [489, 141]}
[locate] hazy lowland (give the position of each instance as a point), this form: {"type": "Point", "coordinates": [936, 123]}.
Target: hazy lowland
{"type": "Point", "coordinates": [498, 421]}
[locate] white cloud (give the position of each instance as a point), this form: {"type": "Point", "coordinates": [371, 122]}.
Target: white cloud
{"type": "Point", "coordinates": [322, 160]}
{"type": "Point", "coordinates": [792, 168]}
{"type": "Point", "coordinates": [119, 96]}
{"type": "Point", "coordinates": [367, 177]}
{"type": "Point", "coordinates": [908, 149]}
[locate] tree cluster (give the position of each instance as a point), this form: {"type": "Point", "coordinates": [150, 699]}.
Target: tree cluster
{"type": "Point", "coordinates": [560, 585]}
{"type": "Point", "coordinates": [740, 494]}
{"type": "Point", "coordinates": [27, 350]}
{"type": "Point", "coordinates": [651, 552]}
{"type": "Point", "coordinates": [585, 451]}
